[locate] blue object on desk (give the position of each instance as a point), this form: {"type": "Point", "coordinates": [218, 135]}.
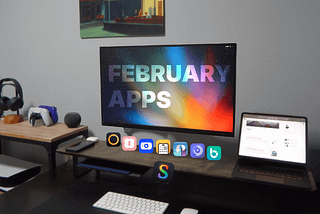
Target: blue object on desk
{"type": "Point", "coordinates": [104, 168]}
{"type": "Point", "coordinates": [115, 167]}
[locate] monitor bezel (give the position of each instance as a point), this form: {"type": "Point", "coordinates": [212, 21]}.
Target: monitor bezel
{"type": "Point", "coordinates": [173, 129]}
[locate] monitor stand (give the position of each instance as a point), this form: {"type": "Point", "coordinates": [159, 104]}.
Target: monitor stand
{"type": "Point", "coordinates": [128, 131]}
{"type": "Point", "coordinates": [163, 189]}
{"type": "Point", "coordinates": [150, 134]}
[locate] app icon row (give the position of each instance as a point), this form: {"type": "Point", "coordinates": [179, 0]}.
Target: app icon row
{"type": "Point", "coordinates": [163, 147]}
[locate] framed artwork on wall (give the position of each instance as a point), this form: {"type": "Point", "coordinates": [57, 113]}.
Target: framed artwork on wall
{"type": "Point", "coordinates": [121, 18]}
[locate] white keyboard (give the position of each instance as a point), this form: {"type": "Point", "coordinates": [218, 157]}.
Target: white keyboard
{"type": "Point", "coordinates": [130, 204]}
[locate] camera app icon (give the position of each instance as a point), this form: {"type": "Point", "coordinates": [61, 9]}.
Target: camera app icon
{"type": "Point", "coordinates": [146, 145]}
{"type": "Point", "coordinates": [129, 143]}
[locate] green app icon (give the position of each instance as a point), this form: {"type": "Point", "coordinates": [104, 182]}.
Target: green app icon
{"type": "Point", "coordinates": [214, 153]}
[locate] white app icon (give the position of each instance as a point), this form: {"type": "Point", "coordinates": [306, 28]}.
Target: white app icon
{"type": "Point", "coordinates": [146, 146]}
{"type": "Point", "coordinates": [163, 148]}
{"type": "Point", "coordinates": [213, 153]}
{"type": "Point", "coordinates": [129, 143]}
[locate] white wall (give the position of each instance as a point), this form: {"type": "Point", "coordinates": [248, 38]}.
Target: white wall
{"type": "Point", "coordinates": [277, 64]}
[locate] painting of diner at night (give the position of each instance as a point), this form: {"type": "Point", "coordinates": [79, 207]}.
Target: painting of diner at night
{"type": "Point", "coordinates": [121, 18]}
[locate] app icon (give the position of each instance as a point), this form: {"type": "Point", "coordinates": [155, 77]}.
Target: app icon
{"type": "Point", "coordinates": [146, 145]}
{"type": "Point", "coordinates": [163, 147]}
{"type": "Point", "coordinates": [214, 152]}
{"type": "Point", "coordinates": [180, 149]}
{"type": "Point", "coordinates": [113, 139]}
{"type": "Point", "coordinates": [129, 143]}
{"type": "Point", "coordinates": [197, 150]}
{"type": "Point", "coordinates": [163, 171]}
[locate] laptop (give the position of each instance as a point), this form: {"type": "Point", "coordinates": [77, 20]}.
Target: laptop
{"type": "Point", "coordinates": [273, 149]}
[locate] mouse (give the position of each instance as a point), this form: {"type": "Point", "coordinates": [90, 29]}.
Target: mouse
{"type": "Point", "coordinates": [189, 211]}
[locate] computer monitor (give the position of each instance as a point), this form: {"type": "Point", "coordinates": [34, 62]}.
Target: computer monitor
{"type": "Point", "coordinates": [179, 88]}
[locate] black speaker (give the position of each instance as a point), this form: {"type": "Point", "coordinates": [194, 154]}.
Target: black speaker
{"type": "Point", "coordinates": [72, 119]}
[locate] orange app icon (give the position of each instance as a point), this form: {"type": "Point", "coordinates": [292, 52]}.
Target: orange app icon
{"type": "Point", "coordinates": [163, 147]}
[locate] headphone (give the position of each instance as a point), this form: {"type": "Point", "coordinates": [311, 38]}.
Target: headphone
{"type": "Point", "coordinates": [14, 103]}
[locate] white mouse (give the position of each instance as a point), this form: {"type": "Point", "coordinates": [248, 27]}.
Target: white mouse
{"type": "Point", "coordinates": [189, 211]}
{"type": "Point", "coordinates": [94, 139]}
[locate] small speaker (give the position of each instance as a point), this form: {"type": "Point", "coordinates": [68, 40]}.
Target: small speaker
{"type": "Point", "coordinates": [72, 119]}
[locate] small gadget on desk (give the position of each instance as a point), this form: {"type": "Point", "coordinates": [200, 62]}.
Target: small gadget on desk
{"type": "Point", "coordinates": [36, 115]}
{"type": "Point", "coordinates": [90, 141]}
{"type": "Point", "coordinates": [52, 111]}
{"type": "Point", "coordinates": [93, 139]}
{"type": "Point", "coordinates": [189, 211]}
{"type": "Point", "coordinates": [13, 119]}
{"type": "Point", "coordinates": [72, 119]}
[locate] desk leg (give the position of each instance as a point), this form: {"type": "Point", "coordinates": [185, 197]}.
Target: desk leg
{"type": "Point", "coordinates": [75, 166]}
{"type": "Point", "coordinates": [52, 147]}
{"type": "Point", "coordinates": [52, 159]}
{"type": "Point", "coordinates": [85, 133]}
{"type": "Point", "coordinates": [0, 146]}
{"type": "Point", "coordinates": [51, 150]}
{"type": "Point", "coordinates": [76, 170]}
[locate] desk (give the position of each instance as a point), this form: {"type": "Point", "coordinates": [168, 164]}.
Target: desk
{"type": "Point", "coordinates": [59, 192]}
{"type": "Point", "coordinates": [48, 137]}
{"type": "Point", "coordinates": [202, 166]}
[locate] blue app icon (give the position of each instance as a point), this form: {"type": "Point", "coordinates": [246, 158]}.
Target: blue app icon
{"type": "Point", "coordinates": [180, 149]}
{"type": "Point", "coordinates": [146, 145]}
{"type": "Point", "coordinates": [197, 150]}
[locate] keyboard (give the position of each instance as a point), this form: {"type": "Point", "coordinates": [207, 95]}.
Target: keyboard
{"type": "Point", "coordinates": [130, 204]}
{"type": "Point", "coordinates": [273, 171]}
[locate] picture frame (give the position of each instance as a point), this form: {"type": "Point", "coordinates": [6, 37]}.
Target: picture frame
{"type": "Point", "coordinates": [121, 18]}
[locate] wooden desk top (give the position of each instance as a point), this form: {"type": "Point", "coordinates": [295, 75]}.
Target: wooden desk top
{"type": "Point", "coordinates": [203, 166]}
{"type": "Point", "coordinates": [42, 133]}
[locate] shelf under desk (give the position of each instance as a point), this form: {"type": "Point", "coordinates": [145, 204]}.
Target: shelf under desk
{"type": "Point", "coordinates": [100, 150]}
{"type": "Point", "coordinates": [220, 169]}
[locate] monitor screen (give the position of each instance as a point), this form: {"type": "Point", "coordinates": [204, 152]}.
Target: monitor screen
{"type": "Point", "coordinates": [181, 88]}
{"type": "Point", "coordinates": [273, 137]}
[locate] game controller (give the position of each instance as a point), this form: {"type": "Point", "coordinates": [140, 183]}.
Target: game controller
{"type": "Point", "coordinates": [39, 113]}
{"type": "Point", "coordinates": [52, 111]}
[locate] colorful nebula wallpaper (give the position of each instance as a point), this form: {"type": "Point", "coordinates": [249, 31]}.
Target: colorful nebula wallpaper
{"type": "Point", "coordinates": [188, 88]}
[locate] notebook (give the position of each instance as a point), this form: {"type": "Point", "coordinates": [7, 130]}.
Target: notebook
{"type": "Point", "coordinates": [273, 149]}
